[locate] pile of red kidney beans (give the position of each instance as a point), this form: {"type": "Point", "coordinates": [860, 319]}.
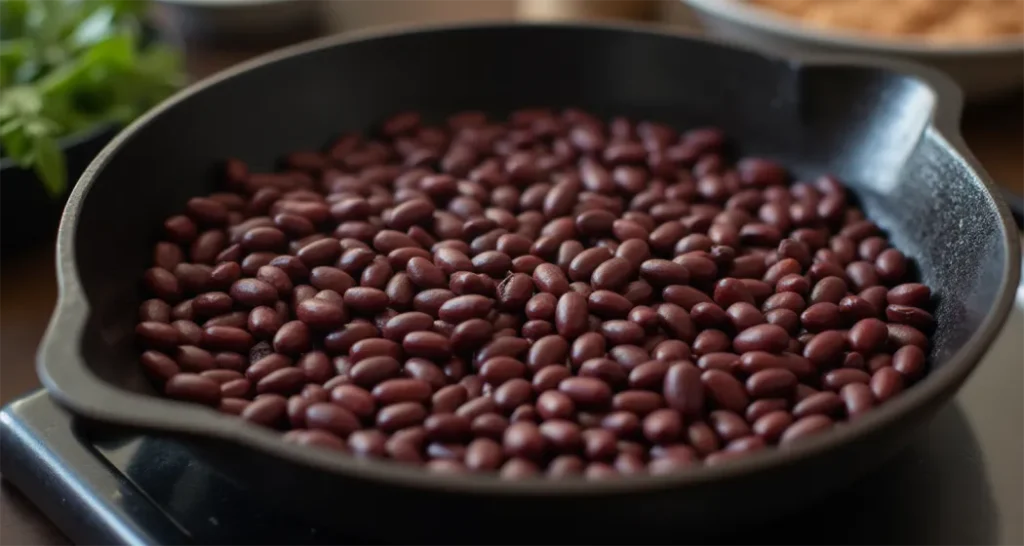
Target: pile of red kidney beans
{"type": "Point", "coordinates": [549, 295]}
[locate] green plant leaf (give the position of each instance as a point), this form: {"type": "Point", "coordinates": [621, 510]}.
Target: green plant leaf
{"type": "Point", "coordinates": [49, 164]}
{"type": "Point", "coordinates": [69, 65]}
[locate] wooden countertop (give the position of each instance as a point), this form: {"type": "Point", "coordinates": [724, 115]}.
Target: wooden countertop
{"type": "Point", "coordinates": [994, 131]}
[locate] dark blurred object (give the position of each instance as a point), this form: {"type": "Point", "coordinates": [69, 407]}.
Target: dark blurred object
{"type": "Point", "coordinates": [984, 71]}
{"type": "Point", "coordinates": [542, 10]}
{"type": "Point", "coordinates": [242, 23]}
{"type": "Point", "coordinates": [28, 214]}
{"type": "Point", "coordinates": [1016, 203]}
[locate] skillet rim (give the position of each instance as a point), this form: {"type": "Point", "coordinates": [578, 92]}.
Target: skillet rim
{"type": "Point", "coordinates": [69, 380]}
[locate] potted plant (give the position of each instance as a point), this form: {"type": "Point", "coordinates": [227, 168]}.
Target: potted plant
{"type": "Point", "coordinates": [72, 73]}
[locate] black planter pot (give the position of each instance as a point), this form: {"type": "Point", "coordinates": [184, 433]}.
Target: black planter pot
{"type": "Point", "coordinates": [28, 214]}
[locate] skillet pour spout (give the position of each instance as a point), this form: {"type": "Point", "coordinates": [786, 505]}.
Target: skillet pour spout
{"type": "Point", "coordinates": [889, 130]}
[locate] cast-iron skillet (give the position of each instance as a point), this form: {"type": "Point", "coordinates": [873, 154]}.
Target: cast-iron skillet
{"type": "Point", "coordinates": [889, 130]}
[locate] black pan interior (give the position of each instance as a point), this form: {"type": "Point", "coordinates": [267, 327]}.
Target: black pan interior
{"type": "Point", "coordinates": [870, 126]}
{"type": "Point", "coordinates": [867, 125]}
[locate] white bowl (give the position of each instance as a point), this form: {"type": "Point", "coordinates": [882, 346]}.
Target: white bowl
{"type": "Point", "coordinates": [983, 70]}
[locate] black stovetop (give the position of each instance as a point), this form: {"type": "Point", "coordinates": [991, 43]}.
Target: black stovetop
{"type": "Point", "coordinates": [960, 482]}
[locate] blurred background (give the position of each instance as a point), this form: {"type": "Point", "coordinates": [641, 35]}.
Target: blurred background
{"type": "Point", "coordinates": [72, 72]}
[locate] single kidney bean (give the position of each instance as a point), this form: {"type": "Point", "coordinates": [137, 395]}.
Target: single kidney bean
{"type": "Point", "coordinates": [355, 399]}
{"type": "Point", "coordinates": [764, 406]}
{"type": "Point", "coordinates": [393, 391]}
{"type": "Point", "coordinates": [902, 335]}
{"type": "Point", "coordinates": [463, 308]}
{"type": "Point", "coordinates": [771, 383]}
{"type": "Point", "coordinates": [905, 314]}
{"type": "Point", "coordinates": [515, 291]}
{"type": "Point", "coordinates": [909, 294]}
{"type": "Point", "coordinates": [683, 388]}
{"type": "Point", "coordinates": [805, 427]}
{"type": "Point", "coordinates": [909, 361]}
{"type": "Point", "coordinates": [821, 316]}
{"type": "Point", "coordinates": [609, 371]}
{"type": "Point", "coordinates": [763, 337]}
{"type": "Point", "coordinates": [825, 349]}
{"type": "Point", "coordinates": [502, 346]}
{"type": "Point", "coordinates": [663, 426]}
{"type": "Point", "coordinates": [571, 315]}
{"type": "Point", "coordinates": [193, 388]}
{"type": "Point", "coordinates": [405, 323]}
{"type": "Point", "coordinates": [858, 399]}
{"type": "Point", "coordinates": [400, 416]}
{"type": "Point", "coordinates": [828, 289]}
{"type": "Point", "coordinates": [823, 403]}
{"type": "Point", "coordinates": [885, 383]}
{"type": "Point", "coordinates": [159, 366]}
{"type": "Point", "coordinates": [427, 345]}
{"type": "Point", "coordinates": [158, 335]}
{"type": "Point", "coordinates": [331, 418]}
{"type": "Point", "coordinates": [284, 381]}
{"type": "Point", "coordinates": [725, 390]}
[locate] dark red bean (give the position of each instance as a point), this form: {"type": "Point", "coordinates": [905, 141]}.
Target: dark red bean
{"type": "Point", "coordinates": [771, 383]}
{"type": "Point", "coordinates": [366, 300]}
{"type": "Point", "coordinates": [497, 370]}
{"type": "Point", "coordinates": [400, 416]}
{"type": "Point", "coordinates": [571, 315]}
{"type": "Point", "coordinates": [427, 345]}
{"type": "Point", "coordinates": [684, 296]}
{"type": "Point", "coordinates": [393, 391]}
{"type": "Point", "coordinates": [355, 399]}
{"type": "Point", "coordinates": [586, 392]}
{"type": "Point", "coordinates": [158, 335]}
{"type": "Point", "coordinates": [331, 418]}
{"type": "Point", "coordinates": [725, 390]}
{"type": "Point", "coordinates": [805, 427]}
{"type": "Point", "coordinates": [910, 294]}
{"type": "Point", "coordinates": [664, 272]}
{"type": "Point", "coordinates": [663, 426]}
{"type": "Point", "coordinates": [837, 379]}
{"type": "Point", "coordinates": [320, 314]}
{"type": "Point", "coordinates": [771, 425]}
{"type": "Point", "coordinates": [226, 338]}
{"type": "Point", "coordinates": [886, 383]}
{"type": "Point", "coordinates": [193, 388]}
{"type": "Point", "coordinates": [550, 278]}
{"type": "Point", "coordinates": [821, 316]}
{"type": "Point", "coordinates": [582, 267]}
{"type": "Point", "coordinates": [159, 366]}
{"type": "Point", "coordinates": [373, 370]}
{"type": "Point", "coordinates": [909, 361]}
{"type": "Point", "coordinates": [515, 291]}
{"type": "Point", "coordinates": [683, 388]}
{"type": "Point", "coordinates": [763, 337]}
{"type": "Point", "coordinates": [405, 323]}
{"type": "Point", "coordinates": [822, 403]}
{"type": "Point", "coordinates": [905, 314]}
{"type": "Point", "coordinates": [868, 335]}
{"type": "Point", "coordinates": [828, 289]}
{"type": "Point", "coordinates": [612, 274]}
{"type": "Point", "coordinates": [902, 335]}
{"type": "Point", "coordinates": [825, 349]}
{"type": "Point", "coordinates": [857, 398]}
{"type": "Point", "coordinates": [425, 274]}
{"type": "Point", "coordinates": [463, 308]}
{"type": "Point", "coordinates": [676, 322]}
